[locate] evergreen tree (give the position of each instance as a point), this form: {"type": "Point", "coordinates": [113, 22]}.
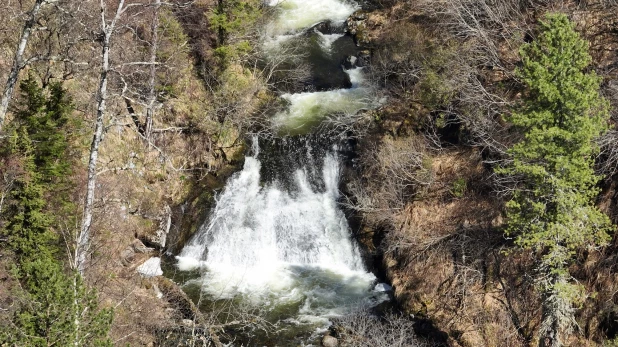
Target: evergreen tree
{"type": "Point", "coordinates": [44, 119]}
{"type": "Point", "coordinates": [233, 18]}
{"type": "Point", "coordinates": [552, 211]}
{"type": "Point", "coordinates": [28, 225]}
{"type": "Point", "coordinates": [57, 309]}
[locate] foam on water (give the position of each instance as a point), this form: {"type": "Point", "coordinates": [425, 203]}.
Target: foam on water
{"type": "Point", "coordinates": [275, 247]}
{"type": "Point", "coordinates": [295, 15]}
{"type": "Point", "coordinates": [327, 40]}
{"type": "Point", "coordinates": [307, 109]}
{"type": "Point", "coordinates": [287, 247]}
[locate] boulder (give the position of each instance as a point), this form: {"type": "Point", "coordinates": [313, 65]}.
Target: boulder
{"type": "Point", "coordinates": [158, 238]}
{"type": "Point", "coordinates": [138, 247]}
{"type": "Point", "coordinates": [127, 256]}
{"type": "Point", "coordinates": [329, 341]}
{"type": "Point", "coordinates": [350, 62]}
{"type": "Point", "coordinates": [150, 268]}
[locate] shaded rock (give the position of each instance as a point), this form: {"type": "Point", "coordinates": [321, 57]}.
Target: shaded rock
{"type": "Point", "coordinates": [325, 27]}
{"type": "Point", "coordinates": [158, 238]}
{"type": "Point", "coordinates": [350, 62]}
{"type": "Point", "coordinates": [138, 247]}
{"type": "Point", "coordinates": [130, 254]}
{"type": "Point", "coordinates": [364, 58]}
{"type": "Point", "coordinates": [179, 300]}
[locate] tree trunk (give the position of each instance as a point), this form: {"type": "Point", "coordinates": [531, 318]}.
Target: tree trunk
{"type": "Point", "coordinates": [154, 46]}
{"type": "Point", "coordinates": [83, 239]}
{"type": "Point", "coordinates": [18, 60]}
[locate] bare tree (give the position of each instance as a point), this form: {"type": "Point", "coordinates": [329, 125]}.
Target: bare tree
{"type": "Point", "coordinates": [106, 31]}
{"type": "Point", "coordinates": [362, 329]}
{"type": "Point", "coordinates": [19, 61]}
{"type": "Point", "coordinates": [396, 170]}
{"type": "Point", "coordinates": [607, 162]}
{"type": "Point", "coordinates": [154, 44]}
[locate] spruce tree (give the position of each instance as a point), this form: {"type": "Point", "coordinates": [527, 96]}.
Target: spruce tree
{"type": "Point", "coordinates": [552, 212]}
{"type": "Point", "coordinates": [55, 307]}
{"type": "Point", "coordinates": [44, 118]}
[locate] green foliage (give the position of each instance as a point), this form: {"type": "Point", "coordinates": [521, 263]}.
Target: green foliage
{"type": "Point", "coordinates": [174, 51]}
{"type": "Point", "coordinates": [43, 118]}
{"type": "Point", "coordinates": [56, 309]}
{"type": "Point", "coordinates": [552, 212]}
{"type": "Point", "coordinates": [561, 117]}
{"type": "Point", "coordinates": [435, 90]}
{"type": "Point", "coordinates": [458, 189]}
{"type": "Point", "coordinates": [28, 225]}
{"type": "Point", "coordinates": [233, 20]}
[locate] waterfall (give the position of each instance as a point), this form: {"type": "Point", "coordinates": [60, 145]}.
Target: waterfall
{"type": "Point", "coordinates": [291, 245]}
{"type": "Point", "coordinates": [282, 242]}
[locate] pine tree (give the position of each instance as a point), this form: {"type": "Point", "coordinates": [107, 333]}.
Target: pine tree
{"type": "Point", "coordinates": [552, 211]}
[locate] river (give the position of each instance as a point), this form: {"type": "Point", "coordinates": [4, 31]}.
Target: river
{"type": "Point", "coordinates": [277, 243]}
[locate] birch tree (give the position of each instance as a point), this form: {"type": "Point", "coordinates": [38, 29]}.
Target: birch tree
{"type": "Point", "coordinates": [106, 31]}
{"type": "Point", "coordinates": [154, 44]}
{"type": "Point", "coordinates": [19, 62]}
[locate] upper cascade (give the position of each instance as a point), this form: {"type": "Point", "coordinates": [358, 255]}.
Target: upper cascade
{"type": "Point", "coordinates": [296, 15]}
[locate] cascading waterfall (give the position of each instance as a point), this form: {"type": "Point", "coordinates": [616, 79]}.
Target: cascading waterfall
{"type": "Point", "coordinates": [276, 246]}
{"type": "Point", "coordinates": [286, 246]}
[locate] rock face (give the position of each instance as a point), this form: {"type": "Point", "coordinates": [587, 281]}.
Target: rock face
{"type": "Point", "coordinates": [158, 238]}
{"type": "Point", "coordinates": [329, 341]}
{"type": "Point", "coordinates": [355, 25]}
{"type": "Point", "coordinates": [363, 26]}
{"type": "Point", "coordinates": [150, 268]}
{"type": "Point", "coordinates": [129, 255]}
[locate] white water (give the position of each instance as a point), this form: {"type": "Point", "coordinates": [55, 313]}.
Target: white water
{"type": "Point", "coordinates": [288, 248]}
{"type": "Point", "coordinates": [277, 247]}
{"type": "Point", "coordinates": [295, 15]}
{"type": "Point", "coordinates": [327, 40]}
{"type": "Point", "coordinates": [305, 109]}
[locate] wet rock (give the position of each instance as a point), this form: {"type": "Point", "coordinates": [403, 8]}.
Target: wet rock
{"type": "Point", "coordinates": [329, 341]}
{"type": "Point", "coordinates": [350, 62]}
{"type": "Point", "coordinates": [364, 57]}
{"type": "Point", "coordinates": [325, 27]}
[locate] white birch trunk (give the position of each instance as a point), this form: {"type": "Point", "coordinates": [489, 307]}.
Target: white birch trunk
{"type": "Point", "coordinates": [18, 60]}
{"type": "Point", "coordinates": [83, 239]}
{"type": "Point", "coordinates": [154, 46]}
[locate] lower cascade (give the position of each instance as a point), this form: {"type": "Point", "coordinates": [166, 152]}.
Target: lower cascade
{"type": "Point", "coordinates": [282, 247]}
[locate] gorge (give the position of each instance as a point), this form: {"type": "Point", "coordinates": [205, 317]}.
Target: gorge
{"type": "Point", "coordinates": [277, 237]}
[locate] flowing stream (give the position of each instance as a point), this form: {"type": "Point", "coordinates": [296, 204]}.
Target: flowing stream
{"type": "Point", "coordinates": [277, 239]}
